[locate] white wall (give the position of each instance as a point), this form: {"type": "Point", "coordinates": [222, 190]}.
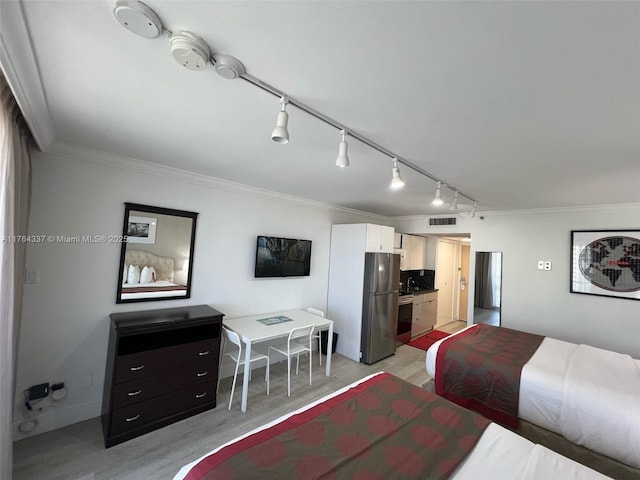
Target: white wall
{"type": "Point", "coordinates": [539, 301]}
{"type": "Point", "coordinates": [65, 315]}
{"type": "Point", "coordinates": [64, 329]}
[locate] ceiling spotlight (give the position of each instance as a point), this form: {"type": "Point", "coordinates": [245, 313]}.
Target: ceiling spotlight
{"type": "Point", "coordinates": [454, 203]}
{"type": "Point", "coordinates": [437, 200]}
{"type": "Point", "coordinates": [280, 133]}
{"type": "Point", "coordinates": [342, 160]}
{"type": "Point", "coordinates": [396, 180]}
{"type": "Point", "coordinates": [472, 212]}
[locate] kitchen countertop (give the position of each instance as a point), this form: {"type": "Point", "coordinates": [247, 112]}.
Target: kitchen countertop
{"type": "Point", "coordinates": [419, 291]}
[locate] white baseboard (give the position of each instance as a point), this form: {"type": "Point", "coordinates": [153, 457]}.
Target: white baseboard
{"type": "Point", "coordinates": [57, 416]}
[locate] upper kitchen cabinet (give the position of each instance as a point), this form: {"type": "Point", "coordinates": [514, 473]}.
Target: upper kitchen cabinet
{"type": "Point", "coordinates": [432, 253]}
{"type": "Point", "coordinates": [379, 239]}
{"type": "Point", "coordinates": [414, 253]}
{"type": "Point", "coordinates": [397, 241]}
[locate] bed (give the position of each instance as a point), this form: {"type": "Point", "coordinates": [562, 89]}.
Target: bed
{"type": "Point", "coordinates": [382, 427]}
{"type": "Point", "coordinates": [164, 269]}
{"type": "Point", "coordinates": [572, 395]}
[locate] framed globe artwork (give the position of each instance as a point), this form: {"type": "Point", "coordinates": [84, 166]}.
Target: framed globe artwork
{"type": "Point", "coordinates": [606, 262]}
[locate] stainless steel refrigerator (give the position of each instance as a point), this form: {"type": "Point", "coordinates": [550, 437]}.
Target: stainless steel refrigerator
{"type": "Point", "coordinates": [380, 306]}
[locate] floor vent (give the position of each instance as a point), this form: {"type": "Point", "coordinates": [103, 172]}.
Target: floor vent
{"type": "Point", "coordinates": [442, 221]}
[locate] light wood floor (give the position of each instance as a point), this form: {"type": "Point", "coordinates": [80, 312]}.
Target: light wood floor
{"type": "Point", "coordinates": [77, 452]}
{"type": "Point", "coordinates": [486, 316]}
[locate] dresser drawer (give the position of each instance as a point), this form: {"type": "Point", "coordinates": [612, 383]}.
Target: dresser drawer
{"type": "Point", "coordinates": [152, 362]}
{"type": "Point", "coordinates": [140, 390]}
{"type": "Point", "coordinates": [144, 413]}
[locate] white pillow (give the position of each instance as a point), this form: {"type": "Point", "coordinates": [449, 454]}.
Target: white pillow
{"type": "Point", "coordinates": [134, 274]}
{"type": "Point", "coordinates": [148, 275]}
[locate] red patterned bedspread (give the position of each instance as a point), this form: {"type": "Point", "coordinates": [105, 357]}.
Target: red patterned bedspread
{"type": "Point", "coordinates": [383, 428]}
{"type": "Point", "coordinates": [480, 368]}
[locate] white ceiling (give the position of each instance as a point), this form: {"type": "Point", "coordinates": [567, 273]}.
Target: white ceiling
{"type": "Point", "coordinates": [519, 105]}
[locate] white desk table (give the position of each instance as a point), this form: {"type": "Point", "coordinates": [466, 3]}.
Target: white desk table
{"type": "Point", "coordinates": [252, 331]}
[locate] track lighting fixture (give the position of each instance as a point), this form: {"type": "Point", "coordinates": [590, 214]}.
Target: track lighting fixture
{"type": "Point", "coordinates": [396, 180]}
{"type": "Point", "coordinates": [437, 200]}
{"type": "Point", "coordinates": [342, 160]}
{"type": "Point", "coordinates": [193, 53]}
{"type": "Point", "coordinates": [472, 212]}
{"type": "Point", "coordinates": [454, 203]}
{"type": "Point", "coordinates": [280, 134]}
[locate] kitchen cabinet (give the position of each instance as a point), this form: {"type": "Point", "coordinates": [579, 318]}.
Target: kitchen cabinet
{"type": "Point", "coordinates": [397, 241]}
{"type": "Point", "coordinates": [414, 253]}
{"type": "Point", "coordinates": [425, 313]}
{"type": "Point", "coordinates": [379, 238]}
{"type": "Point", "coordinates": [432, 253]}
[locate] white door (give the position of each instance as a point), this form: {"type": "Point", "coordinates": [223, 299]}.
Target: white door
{"type": "Point", "coordinates": [445, 277]}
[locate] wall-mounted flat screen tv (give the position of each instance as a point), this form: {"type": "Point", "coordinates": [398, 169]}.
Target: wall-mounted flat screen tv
{"type": "Point", "coordinates": [282, 257]}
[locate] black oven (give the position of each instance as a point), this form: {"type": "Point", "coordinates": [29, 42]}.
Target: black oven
{"type": "Point", "coordinates": [405, 316]}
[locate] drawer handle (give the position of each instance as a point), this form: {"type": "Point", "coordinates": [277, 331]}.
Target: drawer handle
{"type": "Point", "coordinates": [133, 394]}
{"type": "Point", "coordinates": [201, 395]}
{"type": "Point", "coordinates": [202, 354]}
{"type": "Point", "coordinates": [135, 369]}
{"type": "Point", "coordinates": [201, 374]}
{"type": "Point", "coordinates": [132, 418]}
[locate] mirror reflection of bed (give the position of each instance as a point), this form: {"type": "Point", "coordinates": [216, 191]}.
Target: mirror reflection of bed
{"type": "Point", "coordinates": [162, 280]}
{"type": "Point", "coordinates": [156, 263]}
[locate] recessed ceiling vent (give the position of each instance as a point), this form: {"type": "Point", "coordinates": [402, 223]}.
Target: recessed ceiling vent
{"type": "Point", "coordinates": [442, 221]}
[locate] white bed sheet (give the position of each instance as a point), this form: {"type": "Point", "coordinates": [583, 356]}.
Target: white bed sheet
{"type": "Point", "coordinates": [542, 386]}
{"type": "Point", "coordinates": [162, 293]}
{"type": "Point", "coordinates": [541, 382]}
{"type": "Point", "coordinates": [499, 453]}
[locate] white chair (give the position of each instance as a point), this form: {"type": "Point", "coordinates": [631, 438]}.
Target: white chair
{"type": "Point", "coordinates": [320, 313]}
{"type": "Point", "coordinates": [293, 348]}
{"type": "Point", "coordinates": [238, 356]}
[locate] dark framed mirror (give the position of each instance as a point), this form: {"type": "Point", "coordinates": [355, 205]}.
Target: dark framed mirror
{"type": "Point", "coordinates": [156, 261]}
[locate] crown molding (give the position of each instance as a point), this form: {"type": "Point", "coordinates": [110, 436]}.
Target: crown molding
{"type": "Point", "coordinates": [88, 155]}
{"type": "Point", "coordinates": [561, 210]}
{"type": "Point", "coordinates": [529, 211]}
{"type": "Point", "coordinates": [21, 70]}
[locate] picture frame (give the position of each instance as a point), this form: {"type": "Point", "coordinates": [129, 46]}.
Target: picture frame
{"type": "Point", "coordinates": [606, 263]}
{"type": "Point", "coordinates": [141, 229]}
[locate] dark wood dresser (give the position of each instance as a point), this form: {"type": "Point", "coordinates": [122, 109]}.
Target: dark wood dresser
{"type": "Point", "coordinates": [162, 366]}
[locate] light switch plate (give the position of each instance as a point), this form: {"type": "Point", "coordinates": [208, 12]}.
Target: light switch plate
{"type": "Point", "coordinates": [32, 277]}
{"type": "Point", "coordinates": [540, 264]}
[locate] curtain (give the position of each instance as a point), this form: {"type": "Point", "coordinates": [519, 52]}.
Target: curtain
{"type": "Point", "coordinates": [496, 279]}
{"type": "Point", "coordinates": [15, 181]}
{"type": "Point", "coordinates": [488, 280]}
{"type": "Point", "coordinates": [484, 281]}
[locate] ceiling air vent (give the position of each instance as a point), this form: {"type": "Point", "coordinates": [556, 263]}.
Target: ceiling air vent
{"type": "Point", "coordinates": [442, 221]}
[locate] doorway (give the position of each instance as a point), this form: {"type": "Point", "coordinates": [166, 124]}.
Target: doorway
{"type": "Point", "coordinates": [487, 298]}
{"type": "Point", "coordinates": [463, 304]}
{"type": "Point", "coordinates": [446, 270]}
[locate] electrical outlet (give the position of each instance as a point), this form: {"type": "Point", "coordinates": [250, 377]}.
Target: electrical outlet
{"type": "Point", "coordinates": [547, 265]}
{"type": "Point", "coordinates": [37, 392]}
{"type": "Point", "coordinates": [540, 264]}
